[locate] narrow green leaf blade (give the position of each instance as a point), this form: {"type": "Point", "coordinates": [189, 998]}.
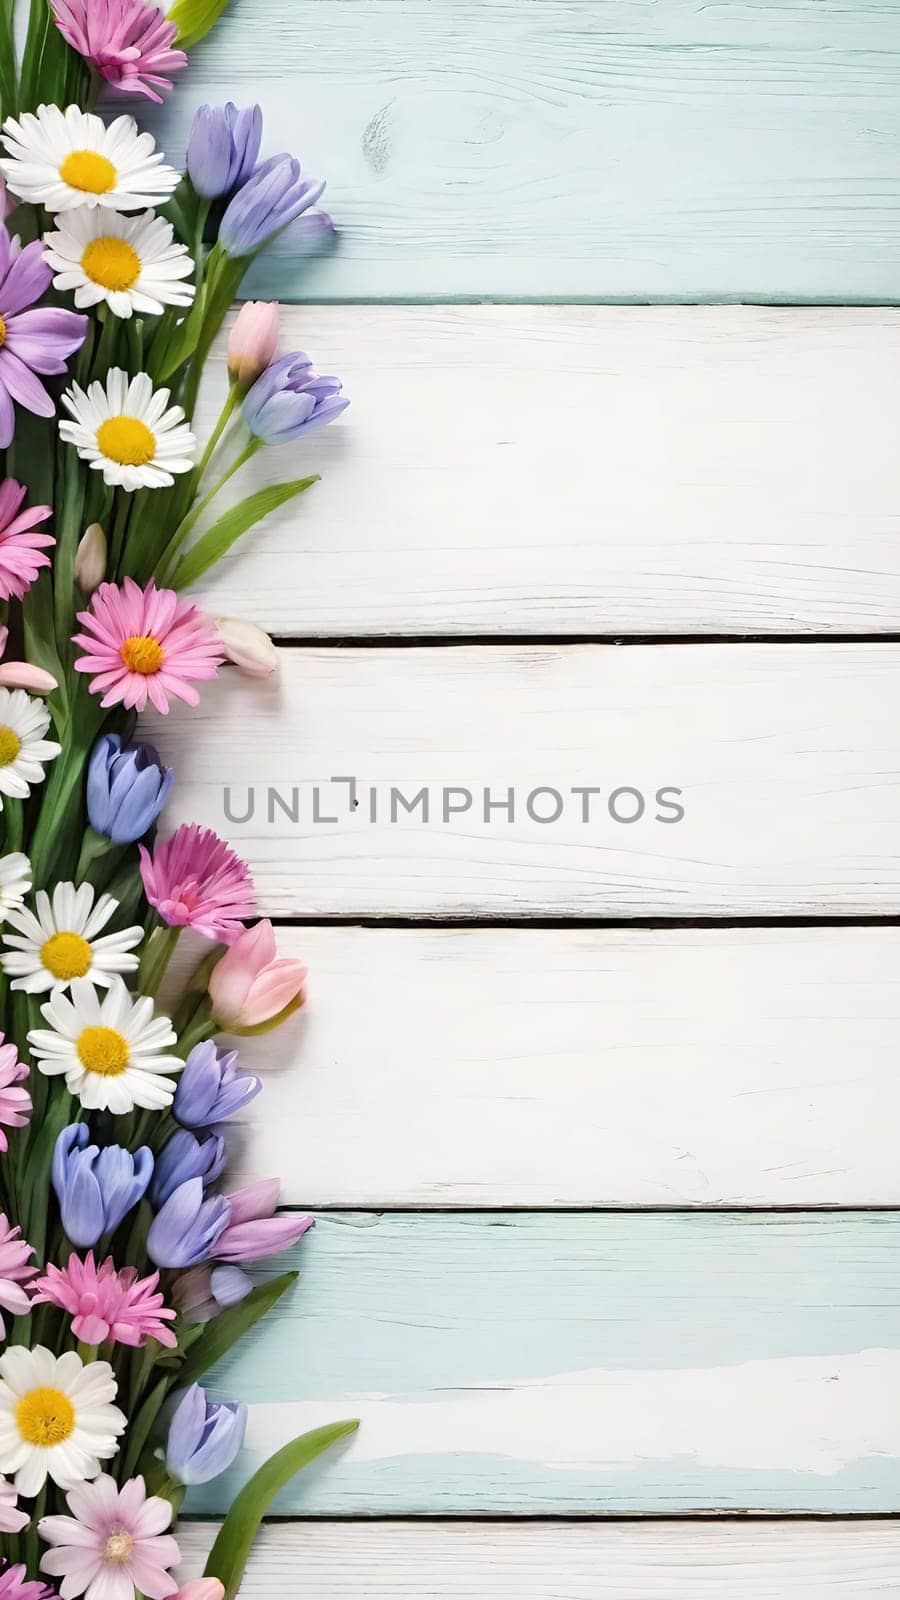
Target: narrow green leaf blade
{"type": "Point", "coordinates": [228, 1556]}
{"type": "Point", "coordinates": [231, 1325]}
{"type": "Point", "coordinates": [230, 527]}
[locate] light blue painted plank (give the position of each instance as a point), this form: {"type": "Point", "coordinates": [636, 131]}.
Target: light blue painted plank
{"type": "Point", "coordinates": [588, 148]}
{"type": "Point", "coordinates": [576, 1363]}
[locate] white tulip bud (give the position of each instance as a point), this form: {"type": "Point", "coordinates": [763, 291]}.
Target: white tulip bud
{"type": "Point", "coordinates": [90, 559]}
{"type": "Point", "coordinates": [247, 647]}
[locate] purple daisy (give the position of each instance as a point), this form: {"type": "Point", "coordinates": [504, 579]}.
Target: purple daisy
{"type": "Point", "coordinates": [31, 341]}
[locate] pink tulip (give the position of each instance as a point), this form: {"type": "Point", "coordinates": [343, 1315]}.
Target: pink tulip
{"type": "Point", "coordinates": [201, 1589]}
{"type": "Point", "coordinates": [254, 1232]}
{"type": "Point", "coordinates": [21, 675]}
{"type": "Point", "coordinates": [253, 341]}
{"type": "Point", "coordinates": [250, 988]}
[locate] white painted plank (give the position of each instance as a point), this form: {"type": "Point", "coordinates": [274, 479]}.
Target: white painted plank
{"type": "Point", "coordinates": [566, 1560]}
{"type": "Point", "coordinates": [594, 148]}
{"type": "Point", "coordinates": [551, 469]}
{"type": "Point", "coordinates": [787, 756]}
{"type": "Point", "coordinates": [564, 1068]}
{"type": "Point", "coordinates": [575, 1363]}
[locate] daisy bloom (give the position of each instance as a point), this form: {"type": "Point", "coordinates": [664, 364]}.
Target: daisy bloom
{"type": "Point", "coordinates": [21, 549]}
{"type": "Point", "coordinates": [57, 1418]}
{"type": "Point", "coordinates": [133, 263]}
{"type": "Point", "coordinates": [15, 1103]}
{"type": "Point", "coordinates": [113, 1051]}
{"type": "Point", "coordinates": [14, 1271]}
{"type": "Point", "coordinates": [64, 159]}
{"type": "Point", "coordinates": [15, 882]}
{"type": "Point", "coordinates": [14, 1585]}
{"type": "Point", "coordinates": [114, 1543]}
{"type": "Point", "coordinates": [128, 431]}
{"type": "Point", "coordinates": [195, 880]}
{"type": "Point", "coordinates": [23, 749]}
{"type": "Point", "coordinates": [12, 1520]}
{"type": "Point", "coordinates": [126, 42]}
{"type": "Point", "coordinates": [35, 341]}
{"type": "Point", "coordinates": [61, 940]}
{"type": "Point", "coordinates": [146, 644]}
{"type": "Point", "coordinates": [106, 1304]}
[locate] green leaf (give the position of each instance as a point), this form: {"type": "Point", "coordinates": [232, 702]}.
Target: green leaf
{"type": "Point", "coordinates": [228, 1556]}
{"type": "Point", "coordinates": [214, 544]}
{"type": "Point", "coordinates": [194, 19]}
{"type": "Point", "coordinates": [231, 1325]}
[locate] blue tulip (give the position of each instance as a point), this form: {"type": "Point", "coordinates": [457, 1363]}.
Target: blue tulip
{"type": "Point", "coordinates": [210, 1089]}
{"type": "Point", "coordinates": [185, 1231]}
{"type": "Point", "coordinates": [274, 195]}
{"type": "Point", "coordinates": [126, 788]}
{"type": "Point", "coordinates": [204, 1437]}
{"type": "Point", "coordinates": [222, 149]}
{"type": "Point", "coordinates": [290, 399]}
{"type": "Point", "coordinates": [96, 1188]}
{"type": "Point", "coordinates": [184, 1157]}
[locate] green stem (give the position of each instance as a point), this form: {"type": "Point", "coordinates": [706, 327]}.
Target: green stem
{"type": "Point", "coordinates": [157, 953]}
{"type": "Point", "coordinates": [230, 403]}
{"type": "Point", "coordinates": [167, 561]}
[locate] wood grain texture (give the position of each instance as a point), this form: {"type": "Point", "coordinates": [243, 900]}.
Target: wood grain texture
{"type": "Point", "coordinates": [566, 1560]}
{"type": "Point", "coordinates": [551, 469]}
{"type": "Point", "coordinates": [590, 148]}
{"type": "Point", "coordinates": [787, 757]}
{"type": "Point", "coordinates": [581, 1363]}
{"type": "Point", "coordinates": [552, 1067]}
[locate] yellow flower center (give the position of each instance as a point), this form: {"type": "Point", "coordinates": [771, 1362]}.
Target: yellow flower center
{"type": "Point", "coordinates": [111, 262]}
{"type": "Point", "coordinates": [66, 955]}
{"type": "Point", "coordinates": [10, 745]}
{"type": "Point", "coordinates": [45, 1417]}
{"type": "Point", "coordinates": [103, 1050]}
{"type": "Point", "coordinates": [2, 333]}
{"type": "Point", "coordinates": [85, 170]}
{"type": "Point", "coordinates": [126, 440]}
{"type": "Point", "coordinates": [118, 1546]}
{"type": "Point", "coordinates": [142, 654]}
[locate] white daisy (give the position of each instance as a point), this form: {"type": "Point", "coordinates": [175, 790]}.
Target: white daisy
{"type": "Point", "coordinates": [112, 1050]}
{"type": "Point", "coordinates": [60, 943]}
{"type": "Point", "coordinates": [57, 1419]}
{"type": "Point", "coordinates": [133, 263]}
{"type": "Point", "coordinates": [63, 159]}
{"type": "Point", "coordinates": [15, 882]}
{"type": "Point", "coordinates": [128, 432]}
{"type": "Point", "coordinates": [23, 749]}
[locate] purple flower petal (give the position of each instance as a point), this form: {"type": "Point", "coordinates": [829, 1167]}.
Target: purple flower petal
{"type": "Point", "coordinates": [24, 386]}
{"type": "Point", "coordinates": [26, 280]}
{"type": "Point", "coordinates": [43, 338]}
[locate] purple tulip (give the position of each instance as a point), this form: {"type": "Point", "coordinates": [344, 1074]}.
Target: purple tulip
{"type": "Point", "coordinates": [290, 399]}
{"type": "Point", "coordinates": [272, 197]}
{"type": "Point", "coordinates": [210, 1089]}
{"type": "Point", "coordinates": [204, 1437]}
{"type": "Point", "coordinates": [187, 1228]}
{"type": "Point", "coordinates": [96, 1188]}
{"type": "Point", "coordinates": [223, 147]}
{"type": "Point", "coordinates": [254, 1232]}
{"type": "Point", "coordinates": [184, 1157]}
{"type": "Point", "coordinates": [126, 789]}
{"type": "Point", "coordinates": [32, 341]}
{"type": "Point", "coordinates": [202, 1292]}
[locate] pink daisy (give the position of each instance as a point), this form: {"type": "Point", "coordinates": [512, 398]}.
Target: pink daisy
{"type": "Point", "coordinates": [127, 42]}
{"type": "Point", "coordinates": [15, 1103]}
{"type": "Point", "coordinates": [196, 881]}
{"type": "Point", "coordinates": [146, 644]}
{"type": "Point", "coordinates": [115, 1542]}
{"type": "Point", "coordinates": [106, 1304]}
{"type": "Point", "coordinates": [12, 1520]}
{"type": "Point", "coordinates": [14, 1271]}
{"type": "Point", "coordinates": [21, 550]}
{"type": "Point", "coordinates": [15, 1586]}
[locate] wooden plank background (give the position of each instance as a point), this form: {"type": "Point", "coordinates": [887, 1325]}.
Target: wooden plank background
{"type": "Point", "coordinates": [599, 149]}
{"type": "Point", "coordinates": [571, 469]}
{"type": "Point", "coordinates": [473, 1110]}
{"type": "Point", "coordinates": [787, 759]}
{"type": "Point", "coordinates": [589, 1363]}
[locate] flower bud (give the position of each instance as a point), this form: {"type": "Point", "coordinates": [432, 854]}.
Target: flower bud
{"type": "Point", "coordinates": [90, 559]}
{"type": "Point", "coordinates": [252, 341]}
{"type": "Point", "coordinates": [247, 647]}
{"type": "Point", "coordinates": [201, 1589]}
{"type": "Point", "coordinates": [250, 988]}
